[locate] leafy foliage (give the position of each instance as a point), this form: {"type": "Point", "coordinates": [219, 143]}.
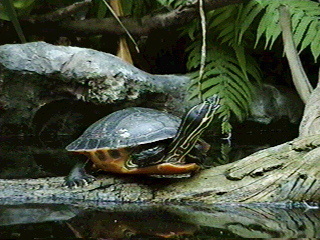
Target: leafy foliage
{"type": "Point", "coordinates": [305, 22]}
{"type": "Point", "coordinates": [223, 76]}
{"type": "Point", "coordinates": [229, 67]}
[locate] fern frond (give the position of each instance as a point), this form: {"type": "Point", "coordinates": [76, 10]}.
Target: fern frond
{"type": "Point", "coordinates": [296, 18]}
{"type": "Point", "coordinates": [308, 38]}
{"type": "Point", "coordinates": [253, 69]}
{"type": "Point", "coordinates": [268, 25]}
{"type": "Point", "coordinates": [224, 115]}
{"type": "Point", "coordinates": [222, 23]}
{"type": "Point", "coordinates": [227, 34]}
{"type": "Point", "coordinates": [228, 64]}
{"type": "Point", "coordinates": [315, 46]}
{"type": "Point", "coordinates": [241, 58]}
{"type": "Point", "coordinates": [217, 17]}
{"type": "Point", "coordinates": [224, 76]}
{"type": "Point", "coordinates": [192, 30]}
{"type": "Point", "coordinates": [305, 23]}
{"type": "Point", "coordinates": [301, 29]}
{"type": "Point", "coordinates": [248, 14]}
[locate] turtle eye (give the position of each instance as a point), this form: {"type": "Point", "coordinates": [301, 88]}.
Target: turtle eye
{"type": "Point", "coordinates": [114, 153]}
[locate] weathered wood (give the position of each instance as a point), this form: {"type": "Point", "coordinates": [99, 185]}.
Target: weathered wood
{"type": "Point", "coordinates": [310, 123]}
{"type": "Point", "coordinates": [288, 172]}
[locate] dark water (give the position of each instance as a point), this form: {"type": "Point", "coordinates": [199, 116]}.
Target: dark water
{"type": "Point", "coordinates": [36, 157]}
{"type": "Point", "coordinates": [132, 221]}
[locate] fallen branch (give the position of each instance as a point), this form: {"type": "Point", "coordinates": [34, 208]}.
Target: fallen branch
{"type": "Point", "coordinates": [138, 27]}
{"type": "Point", "coordinates": [288, 172]}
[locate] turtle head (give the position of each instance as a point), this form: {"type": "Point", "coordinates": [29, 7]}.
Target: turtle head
{"type": "Point", "coordinates": [198, 118]}
{"type": "Point", "coordinates": [194, 122]}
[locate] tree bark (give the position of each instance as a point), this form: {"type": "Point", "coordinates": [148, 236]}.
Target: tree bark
{"type": "Point", "coordinates": [311, 118]}
{"type": "Point", "coordinates": [142, 27]}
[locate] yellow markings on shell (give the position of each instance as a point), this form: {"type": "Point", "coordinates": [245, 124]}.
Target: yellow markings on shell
{"type": "Point", "coordinates": [124, 133]}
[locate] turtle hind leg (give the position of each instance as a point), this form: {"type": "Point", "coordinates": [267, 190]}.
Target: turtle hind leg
{"type": "Point", "coordinates": [78, 176]}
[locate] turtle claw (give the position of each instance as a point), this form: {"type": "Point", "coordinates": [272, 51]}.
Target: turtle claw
{"type": "Point", "coordinates": [79, 181]}
{"type": "Point", "coordinates": [78, 177]}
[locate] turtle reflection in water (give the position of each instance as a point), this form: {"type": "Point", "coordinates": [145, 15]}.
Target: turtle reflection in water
{"type": "Point", "coordinates": [144, 141]}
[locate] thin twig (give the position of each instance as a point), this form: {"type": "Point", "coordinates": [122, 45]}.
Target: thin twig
{"type": "Point", "coordinates": [203, 48]}
{"type": "Point", "coordinates": [121, 24]}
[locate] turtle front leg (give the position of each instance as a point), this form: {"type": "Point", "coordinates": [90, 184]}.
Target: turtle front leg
{"type": "Point", "coordinates": [78, 176]}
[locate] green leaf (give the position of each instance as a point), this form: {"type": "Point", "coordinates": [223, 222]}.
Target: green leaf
{"type": "Point", "coordinates": [249, 13]}
{"type": "Point", "coordinates": [301, 29]}
{"type": "Point", "coordinates": [233, 107]}
{"type": "Point", "coordinates": [9, 8]}
{"type": "Point", "coordinates": [315, 46]}
{"type": "Point", "coordinates": [101, 10]}
{"type": "Point", "coordinates": [226, 127]}
{"type": "Point", "coordinates": [227, 33]}
{"type": "Point", "coordinates": [296, 18]}
{"type": "Point", "coordinates": [217, 17]}
{"type": "Point", "coordinates": [22, 4]}
{"type": "Point", "coordinates": [310, 35]}
{"type": "Point", "coordinates": [253, 69]}
{"type": "Point", "coordinates": [305, 23]}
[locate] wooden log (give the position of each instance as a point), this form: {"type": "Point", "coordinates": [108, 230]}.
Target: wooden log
{"type": "Point", "coordinates": [287, 172]}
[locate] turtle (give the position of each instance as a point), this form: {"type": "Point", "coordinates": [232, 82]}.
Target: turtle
{"type": "Point", "coordinates": [139, 140]}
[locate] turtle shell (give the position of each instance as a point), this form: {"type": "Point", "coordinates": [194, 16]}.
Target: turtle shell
{"type": "Point", "coordinates": [127, 128]}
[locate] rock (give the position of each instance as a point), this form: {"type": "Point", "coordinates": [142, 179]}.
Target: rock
{"type": "Point", "coordinates": [271, 103]}
{"type": "Point", "coordinates": [36, 74]}
{"type": "Point", "coordinates": [42, 85]}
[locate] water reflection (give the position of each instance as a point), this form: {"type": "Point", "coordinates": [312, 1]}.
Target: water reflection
{"type": "Point", "coordinates": [158, 221]}
{"type": "Point", "coordinates": [153, 223]}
